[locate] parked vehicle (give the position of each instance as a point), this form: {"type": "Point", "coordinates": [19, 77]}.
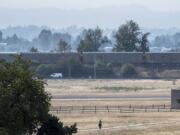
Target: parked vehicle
{"type": "Point", "coordinates": [56, 75]}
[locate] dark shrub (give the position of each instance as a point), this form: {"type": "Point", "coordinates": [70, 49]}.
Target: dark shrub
{"type": "Point", "coordinates": [128, 70]}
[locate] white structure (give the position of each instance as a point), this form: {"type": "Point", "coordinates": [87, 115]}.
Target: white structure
{"type": "Point", "coordinates": [56, 75]}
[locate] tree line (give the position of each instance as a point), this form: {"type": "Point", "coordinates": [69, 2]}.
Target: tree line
{"type": "Point", "coordinates": [128, 38]}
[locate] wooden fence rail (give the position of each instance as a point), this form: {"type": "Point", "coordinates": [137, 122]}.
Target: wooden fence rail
{"type": "Point", "coordinates": [120, 109]}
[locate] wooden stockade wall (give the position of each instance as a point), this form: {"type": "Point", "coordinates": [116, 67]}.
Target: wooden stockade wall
{"type": "Point", "coordinates": [120, 109]}
{"type": "Point", "coordinates": [89, 58]}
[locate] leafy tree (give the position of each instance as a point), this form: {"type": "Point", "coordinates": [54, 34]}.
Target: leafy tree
{"type": "Point", "coordinates": [63, 46]}
{"type": "Point", "coordinates": [144, 43]}
{"type": "Point", "coordinates": [23, 101]}
{"type": "Point", "coordinates": [163, 41]}
{"type": "Point", "coordinates": [45, 38]}
{"type": "Point", "coordinates": [15, 40]}
{"type": "Point", "coordinates": [33, 49]}
{"type": "Point", "coordinates": [176, 40]}
{"type": "Point", "coordinates": [1, 36]}
{"type": "Point", "coordinates": [91, 40]}
{"type": "Point", "coordinates": [64, 36]}
{"type": "Point", "coordinates": [54, 127]}
{"type": "Point", "coordinates": [169, 41]}
{"type": "Point", "coordinates": [3, 131]}
{"type": "Point", "coordinates": [128, 39]}
{"type": "Point", "coordinates": [12, 40]}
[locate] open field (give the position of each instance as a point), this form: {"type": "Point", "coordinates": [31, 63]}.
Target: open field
{"type": "Point", "coordinates": [134, 88]}
{"type": "Point", "coordinates": [109, 86]}
{"type": "Point", "coordinates": [114, 123]}
{"type": "Point", "coordinates": [126, 124]}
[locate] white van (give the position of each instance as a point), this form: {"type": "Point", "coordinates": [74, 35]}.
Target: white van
{"type": "Point", "coordinates": [56, 75]}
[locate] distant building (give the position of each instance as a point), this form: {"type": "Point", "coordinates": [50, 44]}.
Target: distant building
{"type": "Point", "coordinates": [175, 99]}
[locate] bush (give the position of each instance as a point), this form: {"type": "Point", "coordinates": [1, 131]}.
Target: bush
{"type": "Point", "coordinates": [53, 126]}
{"type": "Point", "coordinates": [3, 131]}
{"type": "Point", "coordinates": [128, 70]}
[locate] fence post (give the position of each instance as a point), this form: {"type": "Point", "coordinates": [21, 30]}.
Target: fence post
{"type": "Point", "coordinates": [145, 109]}
{"type": "Point", "coordinates": [59, 109]}
{"type": "Point", "coordinates": [95, 109]}
{"type": "Point", "coordinates": [70, 109]}
{"type": "Point", "coordinates": [119, 108]}
{"type": "Point", "coordinates": [108, 108]}
{"type": "Point", "coordinates": [82, 109]}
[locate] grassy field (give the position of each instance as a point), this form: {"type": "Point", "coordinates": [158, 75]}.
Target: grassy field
{"type": "Point", "coordinates": [163, 123]}
{"type": "Point", "coordinates": [110, 87]}
{"type": "Point", "coordinates": [125, 124]}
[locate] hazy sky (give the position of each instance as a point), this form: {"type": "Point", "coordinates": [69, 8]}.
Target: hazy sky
{"type": "Point", "coordinates": [162, 5]}
{"type": "Point", "coordinates": [90, 13]}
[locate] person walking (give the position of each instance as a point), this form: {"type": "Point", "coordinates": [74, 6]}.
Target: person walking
{"type": "Point", "coordinates": [100, 124]}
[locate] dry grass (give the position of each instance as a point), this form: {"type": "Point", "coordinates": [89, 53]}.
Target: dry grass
{"type": "Point", "coordinates": [164, 123]}
{"type": "Point", "coordinates": [109, 86]}
{"type": "Point", "coordinates": [151, 123]}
